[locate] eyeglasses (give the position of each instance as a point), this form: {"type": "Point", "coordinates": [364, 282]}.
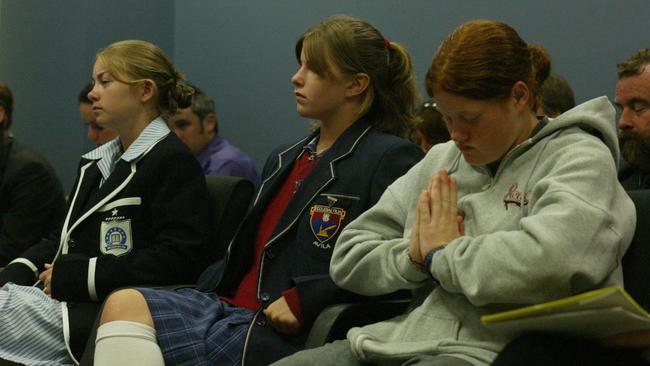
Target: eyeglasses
{"type": "Point", "coordinates": [430, 104]}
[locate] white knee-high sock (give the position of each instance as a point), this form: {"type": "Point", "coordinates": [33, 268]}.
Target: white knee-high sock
{"type": "Point", "coordinates": [127, 343]}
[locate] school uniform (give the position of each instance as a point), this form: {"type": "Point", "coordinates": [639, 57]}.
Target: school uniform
{"type": "Point", "coordinates": [136, 219]}
{"type": "Point", "coordinates": [347, 180]}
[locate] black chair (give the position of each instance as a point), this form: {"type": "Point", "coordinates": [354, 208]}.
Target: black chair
{"type": "Point", "coordinates": [229, 201]}
{"type": "Point", "coordinates": [636, 261]}
{"type": "Point", "coordinates": [230, 198]}
{"type": "Point", "coordinates": [335, 320]}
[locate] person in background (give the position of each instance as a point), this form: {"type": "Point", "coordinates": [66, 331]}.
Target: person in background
{"type": "Point", "coordinates": [361, 88]}
{"type": "Point", "coordinates": [96, 133]}
{"type": "Point", "coordinates": [429, 127]}
{"type": "Point", "coordinates": [633, 102]}
{"type": "Point", "coordinates": [557, 96]}
{"type": "Point", "coordinates": [514, 211]}
{"type": "Point", "coordinates": [138, 214]}
{"type": "Point", "coordinates": [632, 99]}
{"type": "Point", "coordinates": [32, 202]}
{"type": "Point", "coordinates": [198, 128]}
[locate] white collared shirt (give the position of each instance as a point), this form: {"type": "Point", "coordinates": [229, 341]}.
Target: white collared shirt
{"type": "Point", "coordinates": [109, 154]}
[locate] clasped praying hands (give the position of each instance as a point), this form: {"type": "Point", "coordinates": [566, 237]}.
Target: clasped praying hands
{"type": "Point", "coordinates": [437, 220]}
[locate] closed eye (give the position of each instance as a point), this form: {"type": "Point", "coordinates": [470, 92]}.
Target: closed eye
{"type": "Point", "coordinates": [181, 124]}
{"type": "Point", "coordinates": [639, 107]}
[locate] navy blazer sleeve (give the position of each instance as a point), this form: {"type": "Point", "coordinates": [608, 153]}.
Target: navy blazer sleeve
{"type": "Point", "coordinates": [318, 292]}
{"type": "Point", "coordinates": [179, 219]}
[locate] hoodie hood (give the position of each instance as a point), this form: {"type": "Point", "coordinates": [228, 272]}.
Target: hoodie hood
{"type": "Point", "coordinates": [596, 117]}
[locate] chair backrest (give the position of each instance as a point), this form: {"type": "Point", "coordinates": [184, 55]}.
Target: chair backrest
{"type": "Point", "coordinates": [636, 262]}
{"type": "Point", "coordinates": [229, 201]}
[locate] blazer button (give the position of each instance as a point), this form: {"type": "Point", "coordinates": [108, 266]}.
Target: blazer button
{"type": "Point", "coordinates": [71, 243]}
{"type": "Point", "coordinates": [260, 322]}
{"type": "Point", "coordinates": [264, 297]}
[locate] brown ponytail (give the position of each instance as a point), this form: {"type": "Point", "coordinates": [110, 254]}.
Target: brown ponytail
{"type": "Point", "coordinates": [355, 46]}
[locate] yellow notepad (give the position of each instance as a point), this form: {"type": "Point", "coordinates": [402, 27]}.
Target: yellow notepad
{"type": "Point", "coordinates": [596, 314]}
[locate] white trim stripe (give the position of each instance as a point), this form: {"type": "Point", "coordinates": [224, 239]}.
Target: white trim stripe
{"type": "Point", "coordinates": [28, 263]}
{"type": "Point", "coordinates": [129, 201]}
{"type": "Point", "coordinates": [66, 330]}
{"type": "Point", "coordinates": [101, 203]}
{"type": "Point", "coordinates": [92, 291]}
{"type": "Point", "coordinates": [63, 247]}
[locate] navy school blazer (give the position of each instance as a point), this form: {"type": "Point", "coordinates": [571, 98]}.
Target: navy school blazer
{"type": "Point", "coordinates": [146, 225]}
{"type": "Point", "coordinates": [348, 179]}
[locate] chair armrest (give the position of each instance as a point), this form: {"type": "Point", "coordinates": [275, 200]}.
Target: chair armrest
{"type": "Point", "coordinates": [334, 321]}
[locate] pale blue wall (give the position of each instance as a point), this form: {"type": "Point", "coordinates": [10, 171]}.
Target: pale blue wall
{"type": "Point", "coordinates": [46, 55]}
{"type": "Point", "coordinates": [241, 52]}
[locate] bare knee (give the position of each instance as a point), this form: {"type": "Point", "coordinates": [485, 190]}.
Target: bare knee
{"type": "Point", "coordinates": [128, 304]}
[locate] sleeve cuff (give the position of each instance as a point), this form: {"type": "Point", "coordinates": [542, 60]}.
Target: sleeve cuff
{"type": "Point", "coordinates": [92, 291]}
{"type": "Point", "coordinates": [410, 270]}
{"type": "Point", "coordinates": [20, 271]}
{"type": "Point", "coordinates": [28, 263]}
{"type": "Point", "coordinates": [293, 300]}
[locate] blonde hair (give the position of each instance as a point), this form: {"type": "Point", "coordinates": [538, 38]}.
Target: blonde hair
{"type": "Point", "coordinates": [133, 61]}
{"type": "Point", "coordinates": [354, 46]}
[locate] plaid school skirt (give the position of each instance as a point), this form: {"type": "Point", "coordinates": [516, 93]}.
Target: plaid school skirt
{"type": "Point", "coordinates": [197, 328]}
{"type": "Point", "coordinates": [31, 327]}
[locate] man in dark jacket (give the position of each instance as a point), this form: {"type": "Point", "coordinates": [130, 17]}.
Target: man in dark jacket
{"type": "Point", "coordinates": [32, 201]}
{"type": "Point", "coordinates": [633, 102]}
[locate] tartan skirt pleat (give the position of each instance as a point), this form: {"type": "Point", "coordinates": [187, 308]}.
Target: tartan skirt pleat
{"type": "Point", "coordinates": [197, 328]}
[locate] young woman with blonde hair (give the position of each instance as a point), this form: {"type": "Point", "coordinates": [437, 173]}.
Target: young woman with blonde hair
{"type": "Point", "coordinates": [137, 215]}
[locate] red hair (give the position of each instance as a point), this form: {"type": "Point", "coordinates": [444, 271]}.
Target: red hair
{"type": "Point", "coordinates": [483, 59]}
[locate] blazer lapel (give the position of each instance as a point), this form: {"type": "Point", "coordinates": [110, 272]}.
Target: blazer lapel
{"type": "Point", "coordinates": [94, 196]}
{"type": "Point", "coordinates": [118, 176]}
{"type": "Point", "coordinates": [323, 175]}
{"type": "Point", "coordinates": [270, 185]}
{"type": "Point", "coordinates": [87, 185]}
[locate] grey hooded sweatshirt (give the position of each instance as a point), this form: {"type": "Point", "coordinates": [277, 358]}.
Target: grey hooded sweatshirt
{"type": "Point", "coordinates": [552, 221]}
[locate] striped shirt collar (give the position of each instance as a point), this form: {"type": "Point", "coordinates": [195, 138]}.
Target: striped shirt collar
{"type": "Point", "coordinates": [108, 154]}
{"type": "Point", "coordinates": [310, 148]}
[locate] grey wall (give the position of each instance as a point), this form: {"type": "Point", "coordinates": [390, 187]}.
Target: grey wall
{"type": "Point", "coordinates": [241, 52]}
{"type": "Point", "coordinates": [46, 56]}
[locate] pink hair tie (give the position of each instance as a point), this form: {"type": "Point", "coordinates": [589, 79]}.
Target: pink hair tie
{"type": "Point", "coordinates": [387, 43]}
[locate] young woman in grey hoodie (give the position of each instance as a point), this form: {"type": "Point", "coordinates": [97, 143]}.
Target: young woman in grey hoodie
{"type": "Point", "coordinates": [516, 210]}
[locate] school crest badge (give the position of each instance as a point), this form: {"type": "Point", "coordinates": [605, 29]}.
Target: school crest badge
{"type": "Point", "coordinates": [325, 221]}
{"type": "Point", "coordinates": [115, 237]}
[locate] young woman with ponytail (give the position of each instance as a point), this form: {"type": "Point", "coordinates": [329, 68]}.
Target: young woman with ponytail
{"type": "Point", "coordinates": [514, 211]}
{"type": "Point", "coordinates": [137, 214]}
{"type": "Point", "coordinates": [360, 87]}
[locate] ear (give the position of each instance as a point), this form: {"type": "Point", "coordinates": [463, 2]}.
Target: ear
{"type": "Point", "coordinates": [210, 122]}
{"type": "Point", "coordinates": [521, 95]}
{"type": "Point", "coordinates": [357, 85]}
{"type": "Point", "coordinates": [148, 91]}
{"type": "Point", "coordinates": [3, 115]}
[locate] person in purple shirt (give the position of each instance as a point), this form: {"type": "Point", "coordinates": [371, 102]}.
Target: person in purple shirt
{"type": "Point", "coordinates": [198, 128]}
